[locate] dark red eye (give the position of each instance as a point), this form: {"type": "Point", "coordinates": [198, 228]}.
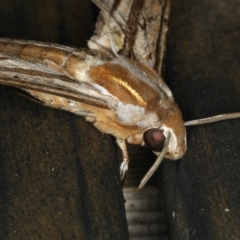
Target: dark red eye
{"type": "Point", "coordinates": [154, 139]}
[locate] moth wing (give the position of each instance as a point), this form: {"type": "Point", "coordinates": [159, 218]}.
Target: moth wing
{"type": "Point", "coordinates": [51, 86]}
{"type": "Point", "coordinates": [136, 30]}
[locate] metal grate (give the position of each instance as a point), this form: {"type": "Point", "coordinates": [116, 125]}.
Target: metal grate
{"type": "Point", "coordinates": [144, 209]}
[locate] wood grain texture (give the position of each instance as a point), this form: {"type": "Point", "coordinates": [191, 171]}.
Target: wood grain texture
{"type": "Point", "coordinates": [59, 175]}
{"type": "Point", "coordinates": [202, 193]}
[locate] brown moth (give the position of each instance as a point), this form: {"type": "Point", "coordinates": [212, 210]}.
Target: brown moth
{"type": "Point", "coordinates": [120, 96]}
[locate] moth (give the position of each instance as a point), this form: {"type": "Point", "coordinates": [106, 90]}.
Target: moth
{"type": "Point", "coordinates": [120, 96]}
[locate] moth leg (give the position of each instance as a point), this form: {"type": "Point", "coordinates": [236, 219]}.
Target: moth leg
{"type": "Point", "coordinates": [124, 165]}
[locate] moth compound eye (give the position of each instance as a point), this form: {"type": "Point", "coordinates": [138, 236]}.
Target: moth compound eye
{"type": "Point", "coordinates": [154, 139]}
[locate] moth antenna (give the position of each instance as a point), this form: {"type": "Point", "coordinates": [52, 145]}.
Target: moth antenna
{"type": "Point", "coordinates": [213, 119]}
{"type": "Point", "coordinates": [156, 164]}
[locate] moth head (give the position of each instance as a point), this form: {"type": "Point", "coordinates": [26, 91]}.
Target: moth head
{"type": "Point", "coordinates": [173, 129]}
{"type": "Point", "coordinates": [166, 141]}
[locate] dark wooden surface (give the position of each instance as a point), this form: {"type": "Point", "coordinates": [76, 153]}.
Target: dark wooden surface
{"type": "Point", "coordinates": [202, 190]}
{"type": "Point", "coordinates": [59, 176]}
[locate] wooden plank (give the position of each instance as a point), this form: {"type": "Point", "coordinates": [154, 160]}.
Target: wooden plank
{"type": "Point", "coordinates": [59, 175]}
{"type": "Point", "coordinates": [202, 189]}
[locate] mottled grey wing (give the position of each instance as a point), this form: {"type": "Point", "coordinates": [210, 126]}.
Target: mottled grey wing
{"type": "Point", "coordinates": [136, 28]}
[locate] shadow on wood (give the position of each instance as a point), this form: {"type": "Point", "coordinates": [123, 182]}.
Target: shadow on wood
{"type": "Point", "coordinates": [201, 191]}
